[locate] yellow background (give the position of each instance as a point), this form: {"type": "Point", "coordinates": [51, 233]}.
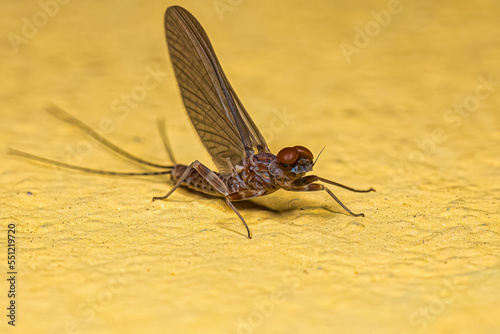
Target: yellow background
{"type": "Point", "coordinates": [95, 255]}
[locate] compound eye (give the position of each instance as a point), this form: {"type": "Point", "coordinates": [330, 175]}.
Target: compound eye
{"type": "Point", "coordinates": [304, 152]}
{"type": "Point", "coordinates": [288, 155]}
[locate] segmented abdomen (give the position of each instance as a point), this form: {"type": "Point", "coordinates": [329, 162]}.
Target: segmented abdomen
{"type": "Point", "coordinates": [195, 181]}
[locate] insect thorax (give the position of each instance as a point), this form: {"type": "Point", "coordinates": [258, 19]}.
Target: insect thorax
{"type": "Point", "coordinates": [259, 172]}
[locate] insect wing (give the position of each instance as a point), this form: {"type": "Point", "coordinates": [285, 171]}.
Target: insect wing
{"type": "Point", "coordinates": [223, 125]}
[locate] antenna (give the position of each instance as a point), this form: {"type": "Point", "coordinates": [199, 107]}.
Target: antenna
{"type": "Point", "coordinates": [314, 163]}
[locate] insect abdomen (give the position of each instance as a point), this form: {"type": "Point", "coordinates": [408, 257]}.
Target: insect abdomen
{"type": "Point", "coordinates": [194, 180]}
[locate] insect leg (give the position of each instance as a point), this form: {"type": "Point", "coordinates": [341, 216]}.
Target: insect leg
{"type": "Point", "coordinates": [179, 182]}
{"type": "Point", "coordinates": [345, 187]}
{"type": "Point", "coordinates": [241, 218]}
{"type": "Point", "coordinates": [217, 183]}
{"type": "Point", "coordinates": [318, 187]}
{"type": "Point", "coordinates": [214, 180]}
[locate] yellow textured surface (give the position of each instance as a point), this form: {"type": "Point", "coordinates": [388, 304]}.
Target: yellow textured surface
{"type": "Point", "coordinates": [95, 255]}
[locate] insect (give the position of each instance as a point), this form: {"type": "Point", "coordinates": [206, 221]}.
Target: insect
{"type": "Point", "coordinates": [246, 167]}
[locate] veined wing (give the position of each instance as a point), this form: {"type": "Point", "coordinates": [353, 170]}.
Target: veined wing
{"type": "Point", "coordinates": [224, 126]}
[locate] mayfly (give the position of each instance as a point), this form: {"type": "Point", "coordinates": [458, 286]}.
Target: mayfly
{"type": "Point", "coordinates": [246, 167]}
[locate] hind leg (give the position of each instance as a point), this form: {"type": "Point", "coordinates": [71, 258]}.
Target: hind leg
{"type": "Point", "coordinates": [211, 178]}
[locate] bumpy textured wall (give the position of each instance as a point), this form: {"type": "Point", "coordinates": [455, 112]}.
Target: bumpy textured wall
{"type": "Point", "coordinates": [405, 97]}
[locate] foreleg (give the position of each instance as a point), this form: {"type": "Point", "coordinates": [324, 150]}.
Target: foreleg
{"type": "Point", "coordinates": [319, 187]}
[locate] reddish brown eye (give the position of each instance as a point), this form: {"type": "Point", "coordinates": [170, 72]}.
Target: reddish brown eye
{"type": "Point", "coordinates": [304, 152]}
{"type": "Point", "coordinates": [288, 155]}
